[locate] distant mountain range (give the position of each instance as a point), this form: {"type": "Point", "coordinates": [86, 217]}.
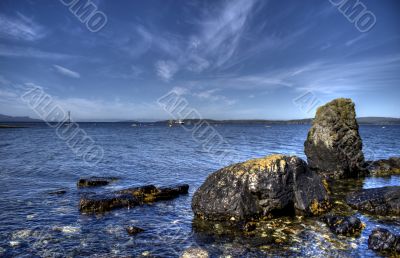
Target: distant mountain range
{"type": "Point", "coordinates": [15, 119]}
{"type": "Point", "coordinates": [361, 120]}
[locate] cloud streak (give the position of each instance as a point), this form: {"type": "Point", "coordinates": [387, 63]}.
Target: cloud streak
{"type": "Point", "coordinates": [66, 72]}
{"type": "Point", "coordinates": [20, 28]}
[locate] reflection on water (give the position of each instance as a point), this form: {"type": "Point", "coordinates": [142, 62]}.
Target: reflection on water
{"type": "Point", "coordinates": [34, 162]}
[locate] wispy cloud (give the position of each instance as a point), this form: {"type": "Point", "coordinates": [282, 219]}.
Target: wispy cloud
{"type": "Point", "coordinates": [20, 28]}
{"type": "Point", "coordinates": [66, 72]}
{"type": "Point", "coordinates": [29, 52]}
{"type": "Point", "coordinates": [166, 69]}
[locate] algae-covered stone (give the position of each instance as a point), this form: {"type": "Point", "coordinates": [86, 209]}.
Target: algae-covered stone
{"type": "Point", "coordinates": [384, 167]}
{"type": "Point", "coordinates": [342, 225]}
{"type": "Point", "coordinates": [269, 186]}
{"type": "Point", "coordinates": [333, 146]}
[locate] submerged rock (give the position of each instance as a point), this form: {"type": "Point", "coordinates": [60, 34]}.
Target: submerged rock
{"type": "Point", "coordinates": [129, 197]}
{"type": "Point", "coordinates": [382, 240]}
{"type": "Point", "coordinates": [95, 181]}
{"type": "Point", "coordinates": [273, 185]}
{"type": "Point", "coordinates": [132, 230]}
{"type": "Point", "coordinates": [347, 226]}
{"type": "Point", "coordinates": [333, 146]}
{"type": "Point", "coordinates": [384, 167]}
{"type": "Point", "coordinates": [195, 252]}
{"type": "Point", "coordinates": [57, 192]}
{"type": "Point", "coordinates": [379, 201]}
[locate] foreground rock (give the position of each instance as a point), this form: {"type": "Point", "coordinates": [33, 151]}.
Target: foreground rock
{"type": "Point", "coordinates": [95, 181]}
{"type": "Point", "coordinates": [333, 146]}
{"type": "Point", "coordinates": [347, 226]}
{"type": "Point", "coordinates": [132, 230]}
{"type": "Point", "coordinates": [194, 252]}
{"type": "Point", "coordinates": [384, 167]}
{"type": "Point", "coordinates": [273, 185]}
{"type": "Point", "coordinates": [382, 240]}
{"type": "Point", "coordinates": [379, 201]}
{"type": "Point", "coordinates": [129, 197]}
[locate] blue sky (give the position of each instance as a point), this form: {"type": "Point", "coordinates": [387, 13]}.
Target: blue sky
{"type": "Point", "coordinates": [229, 59]}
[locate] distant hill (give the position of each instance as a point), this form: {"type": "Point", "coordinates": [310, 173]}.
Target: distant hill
{"type": "Point", "coordinates": [379, 120]}
{"type": "Point", "coordinates": [20, 119]}
{"type": "Point", "coordinates": [361, 120]}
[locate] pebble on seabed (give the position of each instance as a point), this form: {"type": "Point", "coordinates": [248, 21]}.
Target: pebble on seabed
{"type": "Point", "coordinates": [14, 243]}
{"type": "Point", "coordinates": [68, 229]}
{"type": "Point", "coordinates": [20, 234]}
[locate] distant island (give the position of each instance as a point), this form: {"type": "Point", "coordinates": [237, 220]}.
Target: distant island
{"type": "Point", "coordinates": [361, 120]}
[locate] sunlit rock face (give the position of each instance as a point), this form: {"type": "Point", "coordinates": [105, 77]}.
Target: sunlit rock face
{"type": "Point", "coordinates": [270, 186]}
{"type": "Point", "coordinates": [333, 146]}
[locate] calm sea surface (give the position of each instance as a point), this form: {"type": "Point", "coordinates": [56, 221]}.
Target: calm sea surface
{"type": "Point", "coordinates": [34, 161]}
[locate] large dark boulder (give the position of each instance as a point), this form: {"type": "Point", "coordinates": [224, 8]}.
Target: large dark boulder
{"type": "Point", "coordinates": [273, 185]}
{"type": "Point", "coordinates": [384, 167]}
{"type": "Point", "coordinates": [342, 225]}
{"type": "Point", "coordinates": [333, 146]}
{"type": "Point", "coordinates": [382, 240]}
{"type": "Point", "coordinates": [379, 201]}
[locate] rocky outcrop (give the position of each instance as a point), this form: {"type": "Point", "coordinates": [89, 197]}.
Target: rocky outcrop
{"type": "Point", "coordinates": [95, 181]}
{"type": "Point", "coordinates": [384, 167]}
{"type": "Point", "coordinates": [129, 198]}
{"type": "Point", "coordinates": [379, 201]}
{"type": "Point", "coordinates": [382, 240]}
{"type": "Point", "coordinates": [333, 146]}
{"type": "Point", "coordinates": [195, 252]}
{"type": "Point", "coordinates": [347, 226]}
{"type": "Point", "coordinates": [269, 186]}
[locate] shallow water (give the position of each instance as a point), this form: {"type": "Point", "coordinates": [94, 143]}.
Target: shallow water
{"type": "Point", "coordinates": [33, 161]}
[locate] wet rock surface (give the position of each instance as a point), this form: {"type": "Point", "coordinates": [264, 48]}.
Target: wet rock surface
{"type": "Point", "coordinates": [271, 186]}
{"type": "Point", "coordinates": [130, 197]}
{"type": "Point", "coordinates": [95, 181]}
{"type": "Point", "coordinates": [333, 146]}
{"type": "Point", "coordinates": [379, 201]}
{"type": "Point", "coordinates": [132, 230]}
{"type": "Point", "coordinates": [343, 225]}
{"type": "Point", "coordinates": [106, 202]}
{"type": "Point", "coordinates": [195, 252]}
{"type": "Point", "coordinates": [384, 167]}
{"type": "Point", "coordinates": [382, 240]}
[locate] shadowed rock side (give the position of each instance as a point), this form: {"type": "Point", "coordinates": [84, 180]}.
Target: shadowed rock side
{"type": "Point", "coordinates": [333, 146]}
{"type": "Point", "coordinates": [269, 186]}
{"type": "Point", "coordinates": [384, 167]}
{"type": "Point", "coordinates": [379, 201]}
{"type": "Point", "coordinates": [129, 198]}
{"type": "Point", "coordinates": [382, 240]}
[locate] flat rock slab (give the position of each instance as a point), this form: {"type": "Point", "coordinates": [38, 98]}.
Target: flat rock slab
{"type": "Point", "coordinates": [378, 201]}
{"type": "Point", "coordinates": [129, 198]}
{"type": "Point", "coordinates": [106, 202]}
{"type": "Point", "coordinates": [341, 225]}
{"type": "Point", "coordinates": [95, 181]}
